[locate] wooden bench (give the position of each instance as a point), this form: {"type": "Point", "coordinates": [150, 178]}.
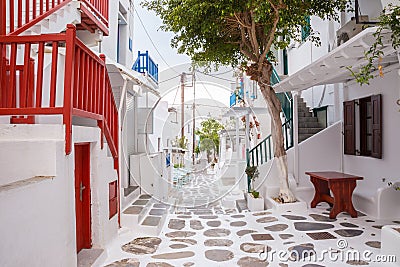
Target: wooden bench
{"type": "Point", "coordinates": [342, 186]}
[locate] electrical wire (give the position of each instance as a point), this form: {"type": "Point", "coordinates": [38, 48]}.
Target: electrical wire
{"type": "Point", "coordinates": [222, 73]}
{"type": "Point", "coordinates": [216, 77]}
{"type": "Point", "coordinates": [173, 103]}
{"type": "Point", "coordinates": [151, 41]}
{"type": "Point", "coordinates": [169, 79]}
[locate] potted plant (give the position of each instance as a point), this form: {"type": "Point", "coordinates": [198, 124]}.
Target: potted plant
{"type": "Point", "coordinates": [254, 201]}
{"type": "Point", "coordinates": [252, 175]}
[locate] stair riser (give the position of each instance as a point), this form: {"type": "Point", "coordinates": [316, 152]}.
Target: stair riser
{"type": "Point", "coordinates": [304, 114]}
{"type": "Point", "coordinates": [308, 119]}
{"type": "Point", "coordinates": [309, 130]}
{"type": "Point", "coordinates": [308, 125]}
{"type": "Point", "coordinates": [303, 109]}
{"type": "Point", "coordinates": [303, 137]}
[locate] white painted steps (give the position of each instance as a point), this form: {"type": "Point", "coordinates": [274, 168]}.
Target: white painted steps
{"type": "Point", "coordinates": [145, 214]}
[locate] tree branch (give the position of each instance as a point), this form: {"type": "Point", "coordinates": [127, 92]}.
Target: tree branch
{"type": "Point", "coordinates": [253, 33]}
{"type": "Point", "coordinates": [270, 40]}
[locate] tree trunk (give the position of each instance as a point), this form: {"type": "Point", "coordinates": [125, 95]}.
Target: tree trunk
{"type": "Point", "coordinates": [274, 108]}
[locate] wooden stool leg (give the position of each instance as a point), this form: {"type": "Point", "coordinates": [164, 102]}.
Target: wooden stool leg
{"type": "Point", "coordinates": [321, 188]}
{"type": "Point", "coordinates": [342, 194]}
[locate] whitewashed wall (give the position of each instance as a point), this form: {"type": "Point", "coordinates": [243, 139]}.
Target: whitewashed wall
{"type": "Point", "coordinates": [109, 43]}
{"type": "Point", "coordinates": [373, 170]}
{"type": "Point", "coordinates": [38, 216]}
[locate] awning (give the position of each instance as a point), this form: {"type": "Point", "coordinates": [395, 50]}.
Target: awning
{"type": "Point", "coordinates": [118, 73]}
{"type": "Point", "coordinates": [331, 68]}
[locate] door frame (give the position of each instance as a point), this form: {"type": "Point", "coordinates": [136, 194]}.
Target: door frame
{"type": "Point", "coordinates": [82, 153]}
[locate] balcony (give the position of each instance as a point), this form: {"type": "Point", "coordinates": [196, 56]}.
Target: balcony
{"type": "Point", "coordinates": [145, 64]}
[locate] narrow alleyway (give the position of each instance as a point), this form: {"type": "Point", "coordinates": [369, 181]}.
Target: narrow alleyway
{"type": "Point", "coordinates": [212, 235]}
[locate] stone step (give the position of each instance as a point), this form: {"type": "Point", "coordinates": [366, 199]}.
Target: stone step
{"type": "Point", "coordinates": [91, 257]}
{"type": "Point", "coordinates": [135, 213]}
{"type": "Point", "coordinates": [309, 130]}
{"type": "Point", "coordinates": [305, 114]}
{"type": "Point", "coordinates": [303, 137]}
{"type": "Point", "coordinates": [129, 190]}
{"type": "Point", "coordinates": [312, 124]}
{"type": "Point", "coordinates": [308, 119]}
{"type": "Point", "coordinates": [303, 109]}
{"type": "Point", "coordinates": [152, 225]}
{"type": "Point", "coordinates": [241, 205]}
{"type": "Point", "coordinates": [302, 104]}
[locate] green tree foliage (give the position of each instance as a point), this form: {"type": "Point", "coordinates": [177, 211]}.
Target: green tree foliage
{"type": "Point", "coordinates": [209, 137]}
{"type": "Point", "coordinates": [181, 142]}
{"type": "Point", "coordinates": [242, 33]}
{"type": "Point", "coordinates": [389, 21]}
{"type": "Point", "coordinates": [237, 31]}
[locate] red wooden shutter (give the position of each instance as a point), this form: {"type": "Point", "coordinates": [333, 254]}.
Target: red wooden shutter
{"type": "Point", "coordinates": [376, 126]}
{"type": "Point", "coordinates": [112, 199]}
{"type": "Point", "coordinates": [349, 128]}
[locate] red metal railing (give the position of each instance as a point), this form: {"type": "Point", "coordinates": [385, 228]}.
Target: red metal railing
{"type": "Point", "coordinates": [85, 90]}
{"type": "Point", "coordinates": [100, 8]}
{"type": "Point", "coordinates": [17, 16]}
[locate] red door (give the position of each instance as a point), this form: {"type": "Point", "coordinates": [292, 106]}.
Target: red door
{"type": "Point", "coordinates": [82, 196]}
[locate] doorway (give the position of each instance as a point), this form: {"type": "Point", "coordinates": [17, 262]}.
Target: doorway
{"type": "Point", "coordinates": [82, 196]}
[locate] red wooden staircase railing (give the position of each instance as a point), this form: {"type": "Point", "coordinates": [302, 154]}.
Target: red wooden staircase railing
{"type": "Point", "coordinates": [16, 16]}
{"type": "Point", "coordinates": [85, 90]}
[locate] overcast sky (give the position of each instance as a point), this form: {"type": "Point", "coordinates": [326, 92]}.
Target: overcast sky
{"type": "Point", "coordinates": [161, 39]}
{"type": "Point", "coordinates": [216, 89]}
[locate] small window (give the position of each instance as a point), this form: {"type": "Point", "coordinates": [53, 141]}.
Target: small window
{"type": "Point", "coordinates": [370, 127]}
{"type": "Point", "coordinates": [112, 199]}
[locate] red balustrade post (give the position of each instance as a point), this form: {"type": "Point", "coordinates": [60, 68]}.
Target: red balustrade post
{"type": "Point", "coordinates": [102, 98]}
{"type": "Point", "coordinates": [68, 83]}
{"type": "Point", "coordinates": [3, 20]}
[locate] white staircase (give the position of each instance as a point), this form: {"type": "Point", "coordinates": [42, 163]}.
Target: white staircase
{"type": "Point", "coordinates": [57, 21]}
{"type": "Point", "coordinates": [145, 214]}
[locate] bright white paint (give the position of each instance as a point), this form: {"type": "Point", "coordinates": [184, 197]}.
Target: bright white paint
{"type": "Point", "coordinates": [390, 239]}
{"type": "Point", "coordinates": [255, 204]}
{"type": "Point", "coordinates": [38, 219]}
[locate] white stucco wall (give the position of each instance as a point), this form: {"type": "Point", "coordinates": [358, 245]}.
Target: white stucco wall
{"type": "Point", "coordinates": [373, 170]}
{"type": "Point", "coordinates": [319, 153]}
{"type": "Point", "coordinates": [160, 116]}
{"type": "Point", "coordinates": [38, 219]}
{"type": "Point", "coordinates": [110, 42]}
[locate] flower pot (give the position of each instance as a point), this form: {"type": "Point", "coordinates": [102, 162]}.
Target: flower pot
{"type": "Point", "coordinates": [255, 204]}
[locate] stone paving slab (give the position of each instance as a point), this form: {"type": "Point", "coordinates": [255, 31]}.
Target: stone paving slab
{"type": "Point", "coordinates": [214, 236]}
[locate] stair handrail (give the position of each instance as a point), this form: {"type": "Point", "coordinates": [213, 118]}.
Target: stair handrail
{"type": "Point", "coordinates": [38, 10]}
{"type": "Point", "coordinates": [262, 152]}
{"type": "Point", "coordinates": [100, 8]}
{"type": "Point", "coordinates": [87, 88]}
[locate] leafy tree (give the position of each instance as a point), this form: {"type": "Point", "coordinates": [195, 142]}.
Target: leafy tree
{"type": "Point", "coordinates": [181, 142]}
{"type": "Point", "coordinates": [209, 137]}
{"type": "Point", "coordinates": [389, 20]}
{"type": "Point", "coordinates": [243, 32]}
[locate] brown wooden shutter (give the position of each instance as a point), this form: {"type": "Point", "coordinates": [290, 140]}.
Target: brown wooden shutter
{"type": "Point", "coordinates": [349, 128]}
{"type": "Point", "coordinates": [376, 126]}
